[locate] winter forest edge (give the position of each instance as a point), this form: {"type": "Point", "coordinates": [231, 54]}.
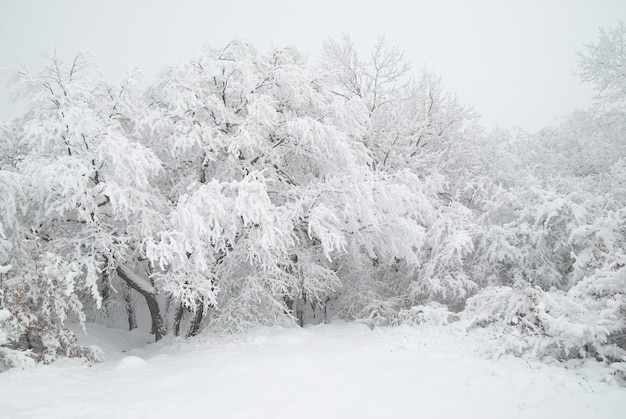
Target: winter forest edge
{"type": "Point", "coordinates": [244, 189]}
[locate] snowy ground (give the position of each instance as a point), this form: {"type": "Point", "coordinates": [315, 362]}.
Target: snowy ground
{"type": "Point", "coordinates": [327, 371]}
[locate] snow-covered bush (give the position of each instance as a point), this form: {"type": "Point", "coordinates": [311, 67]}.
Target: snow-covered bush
{"type": "Point", "coordinates": [10, 353]}
{"type": "Point", "coordinates": [39, 307]}
{"type": "Point", "coordinates": [540, 323]}
{"type": "Point", "coordinates": [431, 314]}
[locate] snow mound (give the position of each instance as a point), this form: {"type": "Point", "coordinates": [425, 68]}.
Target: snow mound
{"type": "Point", "coordinates": [130, 362]}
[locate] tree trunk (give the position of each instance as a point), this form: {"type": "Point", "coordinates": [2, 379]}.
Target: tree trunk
{"type": "Point", "coordinates": [106, 289]}
{"type": "Point", "coordinates": [194, 327]}
{"type": "Point", "coordinates": [133, 281]}
{"type": "Point", "coordinates": [178, 317]}
{"type": "Point", "coordinates": [130, 310]}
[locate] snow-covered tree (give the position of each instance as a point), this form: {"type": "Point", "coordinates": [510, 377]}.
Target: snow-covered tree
{"type": "Point", "coordinates": [555, 238]}
{"type": "Point", "coordinates": [80, 200]}
{"type": "Point", "coordinates": [270, 186]}
{"type": "Point", "coordinates": [603, 64]}
{"type": "Point", "coordinates": [407, 118]}
{"type": "Point", "coordinates": [245, 188]}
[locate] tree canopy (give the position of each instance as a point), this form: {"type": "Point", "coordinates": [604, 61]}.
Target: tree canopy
{"type": "Point", "coordinates": [244, 188]}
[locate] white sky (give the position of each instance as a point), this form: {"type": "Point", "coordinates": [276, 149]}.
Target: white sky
{"type": "Point", "coordinates": [513, 60]}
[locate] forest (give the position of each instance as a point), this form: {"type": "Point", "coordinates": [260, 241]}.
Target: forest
{"type": "Point", "coordinates": [243, 188]}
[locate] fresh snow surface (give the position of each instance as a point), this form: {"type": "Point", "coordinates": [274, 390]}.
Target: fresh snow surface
{"type": "Point", "coordinates": [341, 370]}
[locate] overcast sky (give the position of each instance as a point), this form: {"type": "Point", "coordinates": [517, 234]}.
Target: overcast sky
{"type": "Point", "coordinates": [513, 61]}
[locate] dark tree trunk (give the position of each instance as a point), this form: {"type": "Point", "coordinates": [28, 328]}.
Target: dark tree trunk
{"type": "Point", "coordinates": [178, 317]}
{"type": "Point", "coordinates": [130, 310]}
{"type": "Point", "coordinates": [158, 326]}
{"type": "Point", "coordinates": [300, 308]}
{"type": "Point", "coordinates": [106, 287]}
{"type": "Point", "coordinates": [194, 327]}
{"type": "Point", "coordinates": [289, 303]}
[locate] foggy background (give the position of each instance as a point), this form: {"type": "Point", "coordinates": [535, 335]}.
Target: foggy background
{"type": "Point", "coordinates": [513, 61]}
